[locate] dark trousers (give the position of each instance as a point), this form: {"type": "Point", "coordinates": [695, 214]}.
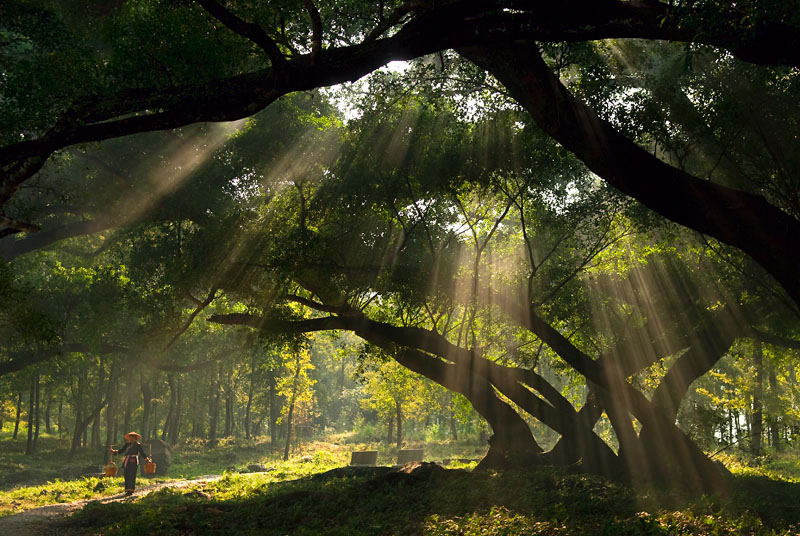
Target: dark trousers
{"type": "Point", "coordinates": [130, 474]}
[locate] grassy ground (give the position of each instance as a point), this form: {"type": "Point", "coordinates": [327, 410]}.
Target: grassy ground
{"type": "Point", "coordinates": [313, 494]}
{"type": "Point", "coordinates": [50, 476]}
{"type": "Point", "coordinates": [435, 501]}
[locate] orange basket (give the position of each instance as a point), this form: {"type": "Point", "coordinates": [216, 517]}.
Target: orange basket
{"type": "Point", "coordinates": [150, 467]}
{"type": "Point", "coordinates": [110, 469]}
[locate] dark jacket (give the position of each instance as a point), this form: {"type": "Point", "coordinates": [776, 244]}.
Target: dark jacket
{"type": "Point", "coordinates": [130, 449]}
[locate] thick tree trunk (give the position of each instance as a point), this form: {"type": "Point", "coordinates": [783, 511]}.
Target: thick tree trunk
{"type": "Point", "coordinates": [81, 426]}
{"type": "Point", "coordinates": [740, 219]}
{"type": "Point", "coordinates": [512, 439]}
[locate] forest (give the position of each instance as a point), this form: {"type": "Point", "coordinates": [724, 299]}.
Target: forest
{"type": "Point", "coordinates": [555, 241]}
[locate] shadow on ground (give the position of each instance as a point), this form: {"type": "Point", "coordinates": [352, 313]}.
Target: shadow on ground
{"type": "Point", "coordinates": [427, 499]}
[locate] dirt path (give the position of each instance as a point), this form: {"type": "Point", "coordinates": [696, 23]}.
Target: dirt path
{"type": "Point", "coordinates": [45, 519]}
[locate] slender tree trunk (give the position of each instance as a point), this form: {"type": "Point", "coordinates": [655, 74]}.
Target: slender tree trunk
{"type": "Point", "coordinates": [288, 431]}
{"type": "Point", "coordinates": [756, 429]}
{"type": "Point", "coordinates": [774, 423]}
{"type": "Point", "coordinates": [399, 413]}
{"type": "Point", "coordinates": [129, 394]}
{"type": "Point", "coordinates": [31, 402]}
{"type": "Point", "coordinates": [175, 427]}
{"type": "Point", "coordinates": [273, 412]}
{"type": "Point", "coordinates": [95, 436]}
{"type": "Point", "coordinates": [47, 413]}
{"type": "Point", "coordinates": [453, 427]}
{"type": "Point", "coordinates": [147, 409]}
{"type": "Point", "coordinates": [155, 418]}
{"type": "Point", "coordinates": [228, 415]}
{"type": "Point", "coordinates": [249, 406]}
{"type": "Point", "coordinates": [215, 408]}
{"type": "Point", "coordinates": [60, 422]}
{"type": "Point", "coordinates": [295, 385]}
{"type": "Point", "coordinates": [111, 408]}
{"type": "Point", "coordinates": [96, 422]}
{"type": "Point", "coordinates": [196, 426]}
{"type": "Point", "coordinates": [171, 409]}
{"type": "Point", "coordinates": [258, 426]}
{"type": "Point", "coordinates": [389, 430]}
{"type": "Point", "coordinates": [19, 412]}
{"type": "Point", "coordinates": [36, 416]}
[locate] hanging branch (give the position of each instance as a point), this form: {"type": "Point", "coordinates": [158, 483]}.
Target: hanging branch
{"type": "Point", "coordinates": [18, 225]}
{"type": "Point", "coordinates": [316, 25]}
{"type": "Point", "coordinates": [385, 23]}
{"type": "Point", "coordinates": [200, 306]}
{"type": "Point", "coordinates": [251, 31]}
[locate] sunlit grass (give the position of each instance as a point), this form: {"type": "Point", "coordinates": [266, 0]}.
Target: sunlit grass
{"type": "Point", "coordinates": [39, 480]}
{"type": "Point", "coordinates": [24, 498]}
{"type": "Point", "coordinates": [539, 501]}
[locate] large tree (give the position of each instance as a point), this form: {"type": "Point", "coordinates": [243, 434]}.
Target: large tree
{"type": "Point", "coordinates": [247, 65]}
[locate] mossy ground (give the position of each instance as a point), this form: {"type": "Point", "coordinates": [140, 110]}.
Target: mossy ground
{"type": "Point", "coordinates": [301, 497]}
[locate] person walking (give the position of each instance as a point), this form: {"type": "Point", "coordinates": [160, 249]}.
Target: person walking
{"type": "Point", "coordinates": [132, 449]}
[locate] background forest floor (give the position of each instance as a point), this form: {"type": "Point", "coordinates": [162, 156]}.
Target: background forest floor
{"type": "Point", "coordinates": [312, 494]}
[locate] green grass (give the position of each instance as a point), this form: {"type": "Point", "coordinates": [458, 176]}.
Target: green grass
{"type": "Point", "coordinates": [301, 497]}
{"type": "Point", "coordinates": [49, 476]}
{"type": "Point", "coordinates": [442, 502]}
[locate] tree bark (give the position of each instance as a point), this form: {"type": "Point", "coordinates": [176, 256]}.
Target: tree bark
{"type": "Point", "coordinates": [756, 428]}
{"type": "Point", "coordinates": [248, 408]}
{"type": "Point", "coordinates": [147, 405]}
{"type": "Point", "coordinates": [743, 220]}
{"type": "Point", "coordinates": [292, 400]}
{"type": "Point", "coordinates": [214, 413]}
{"type": "Point", "coordinates": [171, 408]}
{"type": "Point", "coordinates": [399, 414]}
{"type": "Point", "coordinates": [774, 420]}
{"type": "Point", "coordinates": [175, 428]}
{"type": "Point", "coordinates": [273, 412]}
{"type": "Point", "coordinates": [47, 413]}
{"type": "Point", "coordinates": [19, 412]}
{"type": "Point", "coordinates": [37, 416]}
{"type": "Point", "coordinates": [29, 444]}
{"type": "Point", "coordinates": [111, 408]}
{"type": "Point", "coordinates": [81, 426]}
